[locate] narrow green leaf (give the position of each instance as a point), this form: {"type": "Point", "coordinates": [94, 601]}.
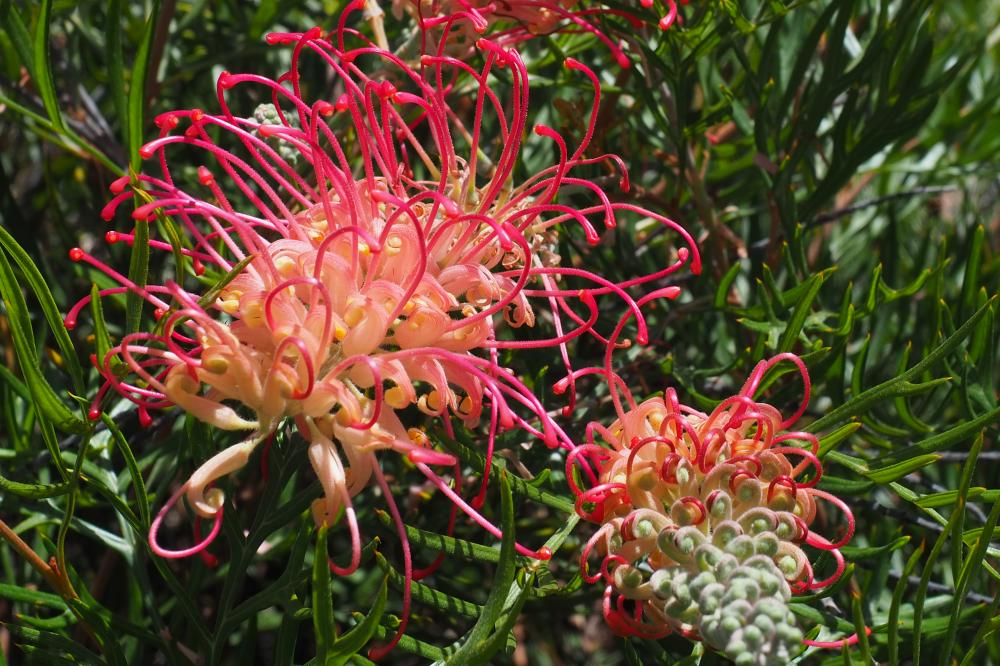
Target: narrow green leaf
{"type": "Point", "coordinates": [39, 286]}
{"type": "Point", "coordinates": [428, 595]}
{"type": "Point", "coordinates": [445, 544]}
{"type": "Point", "coordinates": [972, 564]}
{"type": "Point", "coordinates": [897, 600]}
{"type": "Point", "coordinates": [830, 441]}
{"type": "Point", "coordinates": [900, 385]}
{"type": "Point", "coordinates": [503, 579]}
{"type": "Point", "coordinates": [322, 601]}
{"type": "Point", "coordinates": [43, 65]}
{"type": "Point", "coordinates": [802, 310]}
{"type": "Point", "coordinates": [23, 595]}
{"type": "Point", "coordinates": [17, 31]}
{"type": "Point", "coordinates": [116, 65]}
{"type": "Point", "coordinates": [43, 395]}
{"type": "Point", "coordinates": [901, 469]}
{"type": "Point", "coordinates": [475, 458]}
{"type": "Point", "coordinates": [138, 485]}
{"type": "Point", "coordinates": [351, 642]}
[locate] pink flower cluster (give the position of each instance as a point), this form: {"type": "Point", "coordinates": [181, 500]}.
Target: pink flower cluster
{"type": "Point", "coordinates": [378, 253]}
{"type": "Point", "coordinates": [692, 506]}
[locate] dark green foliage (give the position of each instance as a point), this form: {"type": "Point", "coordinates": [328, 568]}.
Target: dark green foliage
{"type": "Point", "coordinates": [837, 162]}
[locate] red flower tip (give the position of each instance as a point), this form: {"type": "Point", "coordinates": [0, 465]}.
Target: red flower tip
{"type": "Point", "coordinates": [145, 420]}
{"type": "Point", "coordinates": [342, 103]}
{"type": "Point", "coordinates": [205, 176]}
{"type": "Point", "coordinates": [111, 237]}
{"type": "Point", "coordinates": [226, 80]}
{"type": "Point", "coordinates": [94, 413]}
{"type": "Point", "coordinates": [314, 32]}
{"type": "Point", "coordinates": [76, 254]}
{"type": "Point", "coordinates": [118, 185]}
{"type": "Point", "coordinates": [70, 324]}
{"type": "Point", "coordinates": [544, 553]}
{"type": "Point", "coordinates": [146, 151]}
{"type": "Point", "coordinates": [108, 212]}
{"type": "Point", "coordinates": [325, 108]}
{"type": "Point", "coordinates": [623, 60]}
{"type": "Point", "coordinates": [158, 313]}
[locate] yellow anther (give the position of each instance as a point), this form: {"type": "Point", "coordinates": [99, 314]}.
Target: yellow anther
{"type": "Point", "coordinates": [339, 332]}
{"type": "Point", "coordinates": [418, 436]}
{"type": "Point", "coordinates": [393, 245]}
{"type": "Point", "coordinates": [396, 398]}
{"type": "Point", "coordinates": [466, 405]}
{"type": "Point", "coordinates": [285, 265]}
{"type": "Point", "coordinates": [217, 365]}
{"type": "Point", "coordinates": [230, 306]}
{"type": "Point", "coordinates": [354, 315]}
{"type": "Point", "coordinates": [252, 313]}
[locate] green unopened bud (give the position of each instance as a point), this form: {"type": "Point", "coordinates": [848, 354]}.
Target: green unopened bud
{"type": "Point", "coordinates": [788, 565]}
{"type": "Point", "coordinates": [753, 636]}
{"type": "Point", "coordinates": [741, 547]}
{"type": "Point", "coordinates": [660, 583]}
{"type": "Point", "coordinates": [766, 543]}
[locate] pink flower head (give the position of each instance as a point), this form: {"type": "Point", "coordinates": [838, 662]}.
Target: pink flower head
{"type": "Point", "coordinates": [706, 520]}
{"type": "Point", "coordinates": [373, 243]}
{"type": "Point", "coordinates": [510, 22]}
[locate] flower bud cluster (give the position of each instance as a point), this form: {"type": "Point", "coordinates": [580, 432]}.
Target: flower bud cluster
{"type": "Point", "coordinates": [706, 521]}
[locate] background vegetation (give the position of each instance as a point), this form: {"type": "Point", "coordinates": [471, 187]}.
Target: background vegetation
{"type": "Point", "coordinates": [837, 161]}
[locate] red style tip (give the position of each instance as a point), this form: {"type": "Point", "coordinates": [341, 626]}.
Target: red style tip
{"type": "Point", "coordinates": [94, 413]}
{"type": "Point", "coordinates": [544, 553]}
{"type": "Point", "coordinates": [158, 313]}
{"type": "Point", "coordinates": [314, 32]}
{"type": "Point", "coordinates": [205, 176]}
{"type": "Point", "coordinates": [70, 324]}
{"type": "Point", "coordinates": [118, 185]}
{"type": "Point", "coordinates": [226, 80]}
{"type": "Point", "coordinates": [145, 420]}
{"type": "Point", "coordinates": [666, 22]}
{"type": "Point", "coordinates": [76, 254]}
{"type": "Point", "coordinates": [623, 61]}
{"type": "Point", "coordinates": [342, 103]}
{"type": "Point", "coordinates": [146, 151]}
{"type": "Point", "coordinates": [112, 237]}
{"type": "Point", "coordinates": [108, 212]}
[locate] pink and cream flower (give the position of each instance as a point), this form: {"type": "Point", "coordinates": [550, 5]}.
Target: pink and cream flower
{"type": "Point", "coordinates": [370, 241]}
{"type": "Point", "coordinates": [707, 520]}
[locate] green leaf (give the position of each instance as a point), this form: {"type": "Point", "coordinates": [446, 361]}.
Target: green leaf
{"type": "Point", "coordinates": [901, 469]}
{"type": "Point", "coordinates": [322, 600]}
{"type": "Point", "coordinates": [350, 643]}
{"type": "Point", "coordinates": [43, 65]}
{"type": "Point", "coordinates": [37, 283]}
{"type": "Point", "coordinates": [116, 65]}
{"type": "Point", "coordinates": [445, 544]}
{"type": "Point", "coordinates": [43, 395]}
{"type": "Point", "coordinates": [478, 638]}
{"type": "Point", "coordinates": [428, 595]}
{"type": "Point", "coordinates": [475, 458]}
{"type": "Point", "coordinates": [17, 31]}
{"type": "Point", "coordinates": [897, 600]}
{"type": "Point", "coordinates": [901, 384]}
{"type": "Point", "coordinates": [802, 310]}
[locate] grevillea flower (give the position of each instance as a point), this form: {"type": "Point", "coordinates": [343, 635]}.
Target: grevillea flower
{"type": "Point", "coordinates": [371, 244]}
{"type": "Point", "coordinates": [512, 22]}
{"type": "Point", "coordinates": [706, 520]}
